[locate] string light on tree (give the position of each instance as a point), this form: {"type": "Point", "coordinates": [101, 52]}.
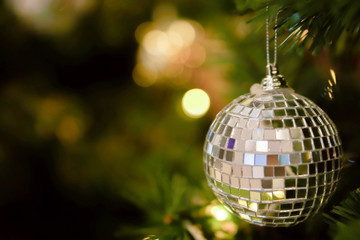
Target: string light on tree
{"type": "Point", "coordinates": [170, 48]}
{"type": "Point", "coordinates": [219, 213]}
{"type": "Point", "coordinates": [195, 103]}
{"type": "Point", "coordinates": [272, 156]}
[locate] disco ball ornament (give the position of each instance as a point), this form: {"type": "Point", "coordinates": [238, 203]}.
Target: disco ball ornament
{"type": "Point", "coordinates": [272, 156]}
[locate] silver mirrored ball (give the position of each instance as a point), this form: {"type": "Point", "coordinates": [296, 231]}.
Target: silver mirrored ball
{"type": "Point", "coordinates": [273, 157]}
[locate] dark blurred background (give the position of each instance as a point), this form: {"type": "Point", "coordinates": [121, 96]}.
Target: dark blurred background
{"type": "Point", "coordinates": [101, 130]}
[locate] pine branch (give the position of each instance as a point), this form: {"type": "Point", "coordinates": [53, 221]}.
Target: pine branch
{"type": "Point", "coordinates": [195, 232]}
{"type": "Point", "coordinates": [346, 217]}
{"type": "Point", "coordinates": [348, 210]}
{"type": "Point", "coordinates": [314, 25]}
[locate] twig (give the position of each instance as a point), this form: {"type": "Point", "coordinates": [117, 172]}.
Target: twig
{"type": "Point", "coordinates": [195, 232]}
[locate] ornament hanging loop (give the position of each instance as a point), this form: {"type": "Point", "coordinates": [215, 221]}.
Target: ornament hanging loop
{"type": "Point", "coordinates": [273, 79]}
{"type": "Point", "coordinates": [267, 37]}
{"type": "Point", "coordinates": [271, 70]}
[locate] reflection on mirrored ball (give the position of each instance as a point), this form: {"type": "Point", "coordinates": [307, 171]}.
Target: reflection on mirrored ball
{"type": "Point", "coordinates": [273, 158]}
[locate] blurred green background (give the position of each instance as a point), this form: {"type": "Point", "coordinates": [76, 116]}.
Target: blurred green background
{"type": "Point", "coordinates": [96, 140]}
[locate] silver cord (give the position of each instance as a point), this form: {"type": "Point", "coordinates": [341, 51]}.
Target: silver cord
{"type": "Point", "coordinates": [275, 38]}
{"type": "Point", "coordinates": [267, 38]}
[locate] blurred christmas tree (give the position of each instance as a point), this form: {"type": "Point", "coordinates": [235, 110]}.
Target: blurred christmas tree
{"type": "Point", "coordinates": [105, 106]}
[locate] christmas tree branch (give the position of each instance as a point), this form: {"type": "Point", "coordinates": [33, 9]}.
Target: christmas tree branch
{"type": "Point", "coordinates": [194, 231]}
{"type": "Point", "coordinates": [313, 25]}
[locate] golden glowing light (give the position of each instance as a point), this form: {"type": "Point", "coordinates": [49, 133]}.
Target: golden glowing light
{"type": "Point", "coordinates": [142, 29]}
{"type": "Point", "coordinates": [170, 48]}
{"type": "Point", "coordinates": [303, 35]}
{"type": "Point", "coordinates": [49, 16]}
{"type": "Point", "coordinates": [333, 75]}
{"type": "Point", "coordinates": [30, 7]}
{"type": "Point", "coordinates": [184, 30]}
{"type": "Point", "coordinates": [229, 227]}
{"type": "Point", "coordinates": [156, 42]}
{"type": "Point", "coordinates": [197, 56]}
{"type": "Point", "coordinates": [151, 237]}
{"type": "Point", "coordinates": [219, 213]}
{"type": "Point", "coordinates": [195, 103]}
{"type": "Point", "coordinates": [167, 43]}
{"type": "Point", "coordinates": [143, 76]}
{"type": "Point", "coordinates": [330, 95]}
{"type": "Point", "coordinates": [330, 83]}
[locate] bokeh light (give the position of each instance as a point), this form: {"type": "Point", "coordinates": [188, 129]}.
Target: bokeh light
{"type": "Point", "coordinates": [156, 42]}
{"type": "Point", "coordinates": [219, 213]}
{"type": "Point", "coordinates": [333, 75]}
{"type": "Point", "coordinates": [169, 48]}
{"type": "Point", "coordinates": [184, 30]}
{"type": "Point", "coordinates": [143, 76]}
{"type": "Point", "coordinates": [151, 237]}
{"type": "Point", "coordinates": [195, 103]}
{"type": "Point", "coordinates": [50, 16]}
{"type": "Point", "coordinates": [92, 95]}
{"type": "Point", "coordinates": [329, 89]}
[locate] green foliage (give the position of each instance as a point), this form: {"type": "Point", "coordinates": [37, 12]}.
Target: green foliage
{"type": "Point", "coordinates": [348, 210]}
{"type": "Point", "coordinates": [167, 200]}
{"type": "Point", "coordinates": [249, 5]}
{"type": "Point", "coordinates": [346, 217]}
{"type": "Point", "coordinates": [90, 152]}
{"type": "Point", "coordinates": [314, 25]}
{"type": "Point", "coordinates": [349, 231]}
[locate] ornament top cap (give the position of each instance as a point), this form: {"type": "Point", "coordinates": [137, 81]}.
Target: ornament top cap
{"type": "Point", "coordinates": [273, 79]}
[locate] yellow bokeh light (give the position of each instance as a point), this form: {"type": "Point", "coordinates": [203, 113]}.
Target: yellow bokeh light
{"type": "Point", "coordinates": [143, 76]}
{"type": "Point", "coordinates": [49, 16]}
{"type": "Point", "coordinates": [333, 75]}
{"type": "Point", "coordinates": [219, 213]}
{"type": "Point", "coordinates": [330, 83]}
{"type": "Point", "coordinates": [185, 30]}
{"type": "Point", "coordinates": [170, 49]}
{"type": "Point", "coordinates": [156, 42]}
{"type": "Point", "coordinates": [229, 227]}
{"type": "Point", "coordinates": [151, 237]}
{"type": "Point", "coordinates": [197, 56]}
{"type": "Point", "coordinates": [303, 35]}
{"type": "Point", "coordinates": [195, 103]}
{"type": "Point", "coordinates": [330, 95]}
{"type": "Point", "coordinates": [175, 38]}
{"type": "Point", "coordinates": [142, 29]}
